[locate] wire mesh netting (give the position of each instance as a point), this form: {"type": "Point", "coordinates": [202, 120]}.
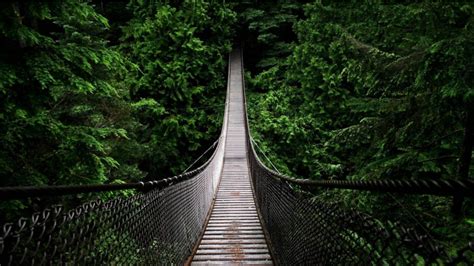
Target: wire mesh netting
{"type": "Point", "coordinates": [305, 231]}
{"type": "Point", "coordinates": [160, 226]}
{"type": "Point", "coordinates": [157, 227]}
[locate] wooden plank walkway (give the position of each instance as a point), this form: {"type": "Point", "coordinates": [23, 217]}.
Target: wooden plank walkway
{"type": "Point", "coordinates": [234, 234]}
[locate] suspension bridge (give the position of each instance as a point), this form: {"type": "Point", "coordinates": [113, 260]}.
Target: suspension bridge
{"type": "Point", "coordinates": [231, 210]}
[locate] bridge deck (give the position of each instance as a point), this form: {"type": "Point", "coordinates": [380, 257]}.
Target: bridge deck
{"type": "Point", "coordinates": [234, 234]}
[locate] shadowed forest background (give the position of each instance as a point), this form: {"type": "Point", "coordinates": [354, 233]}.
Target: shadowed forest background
{"type": "Point", "coordinates": [95, 92]}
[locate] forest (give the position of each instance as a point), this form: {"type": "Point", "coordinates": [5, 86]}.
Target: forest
{"type": "Point", "coordinates": [104, 92]}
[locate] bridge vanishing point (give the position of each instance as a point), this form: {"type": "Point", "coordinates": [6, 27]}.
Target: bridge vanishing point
{"type": "Point", "coordinates": [232, 210]}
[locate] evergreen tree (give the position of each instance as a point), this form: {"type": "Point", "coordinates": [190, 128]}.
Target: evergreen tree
{"type": "Point", "coordinates": [374, 91]}
{"type": "Point", "coordinates": [178, 93]}
{"type": "Point", "coordinates": [61, 110]}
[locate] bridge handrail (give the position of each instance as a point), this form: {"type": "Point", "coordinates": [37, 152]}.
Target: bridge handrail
{"type": "Point", "coordinates": [159, 225]}
{"type": "Point", "coordinates": [441, 187]}
{"type": "Point", "coordinates": [22, 192]}
{"type": "Point", "coordinates": [309, 230]}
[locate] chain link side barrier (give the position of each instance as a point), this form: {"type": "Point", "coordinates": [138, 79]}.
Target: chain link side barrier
{"type": "Point", "coordinates": [158, 226]}
{"type": "Point", "coordinates": [306, 231]}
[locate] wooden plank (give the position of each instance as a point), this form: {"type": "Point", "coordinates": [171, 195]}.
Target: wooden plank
{"type": "Point", "coordinates": [232, 189]}
{"type": "Point", "coordinates": [235, 207]}
{"type": "Point", "coordinates": [225, 206]}
{"type": "Point", "coordinates": [235, 193]}
{"type": "Point", "coordinates": [239, 224]}
{"type": "Point", "coordinates": [223, 228]}
{"type": "Point", "coordinates": [242, 262]}
{"type": "Point", "coordinates": [236, 188]}
{"type": "Point", "coordinates": [235, 200]}
{"type": "Point", "coordinates": [232, 250]}
{"type": "Point", "coordinates": [222, 198]}
{"type": "Point", "coordinates": [235, 210]}
{"type": "Point", "coordinates": [234, 213]}
{"type": "Point", "coordinates": [237, 219]}
{"type": "Point", "coordinates": [234, 223]}
{"type": "Point", "coordinates": [238, 208]}
{"type": "Point", "coordinates": [244, 213]}
{"type": "Point", "coordinates": [245, 203]}
{"type": "Point", "coordinates": [232, 257]}
{"type": "Point", "coordinates": [234, 231]}
{"type": "Point", "coordinates": [246, 199]}
{"type": "Point", "coordinates": [234, 234]}
{"type": "Point", "coordinates": [230, 197]}
{"type": "Point", "coordinates": [232, 241]}
{"type": "Point", "coordinates": [241, 202]}
{"type": "Point", "coordinates": [226, 246]}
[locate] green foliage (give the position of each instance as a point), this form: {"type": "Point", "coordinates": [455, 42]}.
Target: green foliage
{"type": "Point", "coordinates": [179, 50]}
{"type": "Point", "coordinates": [130, 91]}
{"type": "Point", "coordinates": [371, 91]}
{"type": "Point", "coordinates": [78, 107]}
{"type": "Point", "coordinates": [59, 100]}
{"type": "Point", "coordinates": [267, 30]}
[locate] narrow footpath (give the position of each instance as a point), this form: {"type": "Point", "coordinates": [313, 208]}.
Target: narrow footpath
{"type": "Point", "coordinates": [234, 234]}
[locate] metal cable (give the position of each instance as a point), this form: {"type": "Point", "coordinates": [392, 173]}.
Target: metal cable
{"type": "Point", "coordinates": [161, 225]}
{"type": "Point", "coordinates": [306, 231]}
{"type": "Point", "coordinates": [9, 193]}
{"type": "Point", "coordinates": [264, 155]}
{"type": "Point", "coordinates": [158, 226]}
{"type": "Point", "coordinates": [427, 186]}
{"type": "Point", "coordinates": [204, 153]}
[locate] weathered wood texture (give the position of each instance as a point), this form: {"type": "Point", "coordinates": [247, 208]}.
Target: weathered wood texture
{"type": "Point", "coordinates": [234, 234]}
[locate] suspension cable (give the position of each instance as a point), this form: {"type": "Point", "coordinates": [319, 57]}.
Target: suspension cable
{"type": "Point", "coordinates": [22, 192]}
{"type": "Point", "coordinates": [266, 157]}
{"type": "Point", "coordinates": [448, 187]}
{"type": "Point", "coordinates": [204, 153]}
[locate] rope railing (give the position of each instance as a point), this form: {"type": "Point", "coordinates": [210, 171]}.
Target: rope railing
{"type": "Point", "coordinates": [153, 227]}
{"type": "Point", "coordinates": [162, 223]}
{"type": "Point", "coordinates": [442, 187]}
{"type": "Point", "coordinates": [159, 225]}
{"type": "Point", "coordinates": [23, 192]}
{"type": "Point", "coordinates": [305, 230]}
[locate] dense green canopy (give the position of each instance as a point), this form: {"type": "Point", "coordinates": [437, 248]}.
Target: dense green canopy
{"type": "Point", "coordinates": [108, 92]}
{"type": "Point", "coordinates": [368, 91]}
{"type": "Point", "coordinates": [95, 92]}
